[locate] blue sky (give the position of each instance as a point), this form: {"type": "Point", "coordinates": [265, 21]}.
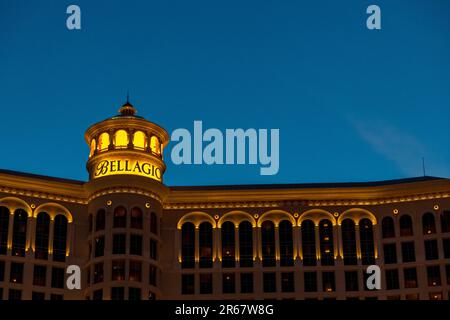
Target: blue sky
{"type": "Point", "coordinates": [351, 104]}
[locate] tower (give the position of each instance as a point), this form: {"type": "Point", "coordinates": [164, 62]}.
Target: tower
{"type": "Point", "coordinates": [125, 194]}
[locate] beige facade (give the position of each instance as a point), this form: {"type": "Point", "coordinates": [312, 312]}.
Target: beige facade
{"type": "Point", "coordinates": [136, 238]}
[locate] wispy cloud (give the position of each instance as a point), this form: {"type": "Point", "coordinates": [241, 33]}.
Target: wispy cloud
{"type": "Point", "coordinates": [400, 147]}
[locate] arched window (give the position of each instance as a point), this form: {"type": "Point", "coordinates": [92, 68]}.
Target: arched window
{"type": "Point", "coordinates": [136, 218]}
{"type": "Point", "coordinates": [428, 224]}
{"type": "Point", "coordinates": [153, 223]}
{"type": "Point", "coordinates": [120, 217]}
{"type": "Point", "coordinates": [155, 146]}
{"type": "Point", "coordinates": [366, 240]}
{"type": "Point", "coordinates": [388, 227]}
{"type": "Point", "coordinates": [228, 245]}
{"type": "Point", "coordinates": [121, 139]}
{"type": "Point", "coordinates": [60, 238]}
{"type": "Point", "coordinates": [268, 243]}
{"type": "Point", "coordinates": [326, 243]}
{"type": "Point", "coordinates": [93, 146]}
{"type": "Point", "coordinates": [309, 243]}
{"type": "Point", "coordinates": [245, 244]}
{"type": "Point", "coordinates": [100, 220]}
{"type": "Point", "coordinates": [4, 226]}
{"type": "Point", "coordinates": [406, 227]}
{"type": "Point", "coordinates": [188, 245]}
{"type": "Point", "coordinates": [445, 221]}
{"type": "Point", "coordinates": [19, 233]}
{"type": "Point", "coordinates": [139, 140]}
{"type": "Point", "coordinates": [286, 243]}
{"type": "Point", "coordinates": [42, 236]}
{"type": "Point", "coordinates": [349, 242]}
{"type": "Point", "coordinates": [205, 242]}
{"type": "Point", "coordinates": [103, 141]}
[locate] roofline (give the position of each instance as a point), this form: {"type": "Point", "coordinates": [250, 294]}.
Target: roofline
{"type": "Point", "coordinates": [249, 186]}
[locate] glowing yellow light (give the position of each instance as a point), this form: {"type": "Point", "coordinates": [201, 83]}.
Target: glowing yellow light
{"type": "Point", "coordinates": [147, 205]}
{"type": "Point", "coordinates": [93, 145]}
{"type": "Point", "coordinates": [103, 141]}
{"type": "Point", "coordinates": [155, 146]}
{"type": "Point", "coordinates": [124, 165]}
{"type": "Point", "coordinates": [121, 139]}
{"type": "Point", "coordinates": [139, 140]}
{"type": "Point", "coordinates": [436, 207]}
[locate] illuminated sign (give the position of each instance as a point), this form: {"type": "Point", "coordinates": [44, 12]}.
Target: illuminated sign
{"type": "Point", "coordinates": [127, 166]}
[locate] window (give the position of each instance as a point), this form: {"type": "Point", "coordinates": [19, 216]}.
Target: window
{"type": "Point", "coordinates": [58, 278]}
{"type": "Point", "coordinates": [390, 253]}
{"type": "Point", "coordinates": [38, 296]}
{"type": "Point", "coordinates": [117, 293]}
{"type": "Point", "coordinates": [121, 139]}
{"type": "Point", "coordinates": [388, 227]}
{"type": "Point", "coordinates": [60, 238]}
{"type": "Point", "coordinates": [431, 250]}
{"type": "Point", "coordinates": [228, 245]}
{"type": "Point", "coordinates": [433, 276]}
{"type": "Point", "coordinates": [366, 241]}
{"type": "Point", "coordinates": [392, 280]}
{"type": "Point", "coordinates": [349, 242]}
{"type": "Point", "coordinates": [206, 245]}
{"type": "Point", "coordinates": [247, 282]}
{"type": "Point", "coordinates": [245, 244]}
{"type": "Point", "coordinates": [136, 245]}
{"type": "Point", "coordinates": [97, 294]}
{"type": "Point", "coordinates": [134, 294]}
{"type": "Point", "coordinates": [310, 281]}
{"type": "Point", "coordinates": [269, 282]}
{"type": "Point", "coordinates": [4, 226]}
{"type": "Point", "coordinates": [118, 270]}
{"type": "Point", "coordinates": [445, 221]}
{"type": "Point", "coordinates": [188, 245]}
{"type": "Point", "coordinates": [153, 275]}
{"type": "Point", "coordinates": [206, 285]}
{"type": "Point", "coordinates": [120, 217]}
{"type": "Point", "coordinates": [119, 243]}
{"type": "Point", "coordinates": [428, 224]}
{"type": "Point", "coordinates": [16, 274]}
{"type": "Point", "coordinates": [153, 249]}
{"type": "Point", "coordinates": [155, 145]}
{"type": "Point", "coordinates": [410, 275]}
{"type": "Point", "coordinates": [151, 296]}
{"type": "Point", "coordinates": [135, 271]}
{"type": "Point", "coordinates": [328, 281]}
{"type": "Point", "coordinates": [287, 282]}
{"type": "Point", "coordinates": [153, 223]}
{"type": "Point", "coordinates": [98, 272]}
{"type": "Point", "coordinates": [446, 245]}
{"type": "Point", "coordinates": [100, 220]}
{"type": "Point", "coordinates": [268, 243]}
{"type": "Point", "coordinates": [435, 296]}
{"type": "Point", "coordinates": [139, 140]}
{"type": "Point", "coordinates": [136, 218]}
{"type": "Point", "coordinates": [103, 141]}
{"type": "Point", "coordinates": [228, 283]}
{"type": "Point", "coordinates": [39, 275]}
{"type": "Point", "coordinates": [19, 233]}
{"type": "Point", "coordinates": [2, 271]}
{"type": "Point", "coordinates": [187, 284]}
{"type": "Point", "coordinates": [15, 295]}
{"type": "Point", "coordinates": [99, 246]}
{"type": "Point", "coordinates": [408, 252]}
{"type": "Point", "coordinates": [286, 243]}
{"type": "Point", "coordinates": [351, 281]}
{"type": "Point", "coordinates": [309, 243]}
{"type": "Point", "coordinates": [406, 228]}
{"type": "Point", "coordinates": [326, 243]}
{"type": "Point", "coordinates": [42, 236]}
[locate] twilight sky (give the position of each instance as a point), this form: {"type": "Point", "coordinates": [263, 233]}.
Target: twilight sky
{"type": "Point", "coordinates": [351, 104]}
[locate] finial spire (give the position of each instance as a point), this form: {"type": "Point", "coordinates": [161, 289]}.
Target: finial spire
{"type": "Point", "coordinates": [127, 109]}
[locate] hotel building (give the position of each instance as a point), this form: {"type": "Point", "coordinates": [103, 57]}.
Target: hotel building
{"type": "Point", "coordinates": [136, 238]}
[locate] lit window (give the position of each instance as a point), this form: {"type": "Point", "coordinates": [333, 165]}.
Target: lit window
{"type": "Point", "coordinates": [139, 140]}
{"type": "Point", "coordinates": [93, 145]}
{"type": "Point", "coordinates": [155, 146]}
{"type": "Point", "coordinates": [121, 139]}
{"type": "Point", "coordinates": [103, 141]}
